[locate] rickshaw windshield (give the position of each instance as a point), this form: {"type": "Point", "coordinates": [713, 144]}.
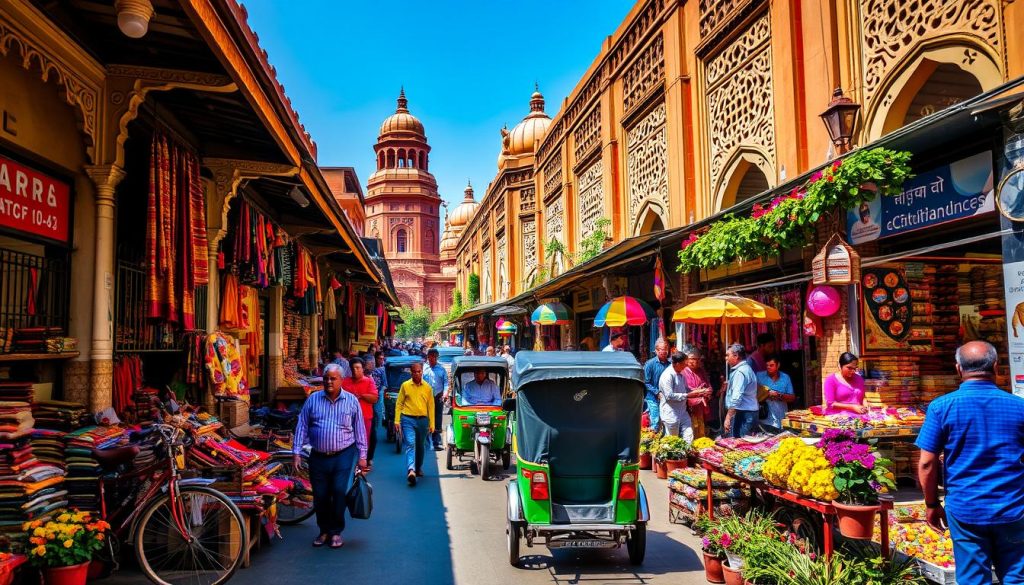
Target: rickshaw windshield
{"type": "Point", "coordinates": [397, 375]}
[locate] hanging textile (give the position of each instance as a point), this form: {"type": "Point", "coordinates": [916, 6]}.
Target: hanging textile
{"type": "Point", "coordinates": [659, 280]}
{"type": "Point", "coordinates": [127, 378]}
{"type": "Point", "coordinates": [230, 307]}
{"type": "Point", "coordinates": [224, 367]}
{"type": "Point", "coordinates": [176, 244]}
{"type": "Point", "coordinates": [330, 308]}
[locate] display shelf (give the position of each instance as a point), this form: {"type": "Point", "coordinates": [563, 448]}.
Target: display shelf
{"type": "Point", "coordinates": [18, 357]}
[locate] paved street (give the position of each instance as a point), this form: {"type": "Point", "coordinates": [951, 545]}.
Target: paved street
{"type": "Point", "coordinates": [451, 529]}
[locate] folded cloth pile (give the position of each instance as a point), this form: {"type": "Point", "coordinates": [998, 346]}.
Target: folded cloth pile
{"type": "Point", "coordinates": [16, 391]}
{"type": "Point", "coordinates": [48, 446]}
{"type": "Point", "coordinates": [83, 470]}
{"type": "Point", "coordinates": [59, 415]}
{"type": "Point", "coordinates": [30, 488]}
{"type": "Point", "coordinates": [210, 451]}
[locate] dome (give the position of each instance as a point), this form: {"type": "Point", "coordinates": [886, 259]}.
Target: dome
{"type": "Point", "coordinates": [401, 120]}
{"type": "Point", "coordinates": [465, 211]}
{"type": "Point", "coordinates": [448, 240]}
{"type": "Point", "coordinates": [528, 133]}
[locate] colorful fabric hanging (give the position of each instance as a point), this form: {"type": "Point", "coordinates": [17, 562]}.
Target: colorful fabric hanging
{"type": "Point", "coordinates": [224, 367]}
{"type": "Point", "coordinates": [659, 280]}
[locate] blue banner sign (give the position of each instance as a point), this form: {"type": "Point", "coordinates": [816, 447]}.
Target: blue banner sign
{"type": "Point", "coordinates": [951, 192]}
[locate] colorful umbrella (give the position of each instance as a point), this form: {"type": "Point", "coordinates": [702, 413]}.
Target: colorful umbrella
{"type": "Point", "coordinates": [507, 329]}
{"type": "Point", "coordinates": [727, 310]}
{"type": "Point", "coordinates": [623, 311]}
{"type": "Point", "coordinates": [551, 314]}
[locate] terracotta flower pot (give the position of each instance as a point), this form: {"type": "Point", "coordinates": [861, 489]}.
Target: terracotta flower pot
{"type": "Point", "coordinates": [732, 576]}
{"type": "Point", "coordinates": [660, 469]}
{"type": "Point", "coordinates": [855, 522]}
{"type": "Point", "coordinates": [713, 568]}
{"type": "Point", "coordinates": [73, 575]}
{"type": "Point", "coordinates": [674, 464]}
{"type": "Point", "coordinates": [645, 461]}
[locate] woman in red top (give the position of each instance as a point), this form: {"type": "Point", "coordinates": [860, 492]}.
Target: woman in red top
{"type": "Point", "coordinates": [362, 387]}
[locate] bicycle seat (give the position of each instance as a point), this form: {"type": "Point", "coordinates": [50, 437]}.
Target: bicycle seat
{"type": "Point", "coordinates": [110, 458]}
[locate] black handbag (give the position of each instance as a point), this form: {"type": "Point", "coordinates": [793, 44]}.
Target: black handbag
{"type": "Point", "coordinates": [359, 498]}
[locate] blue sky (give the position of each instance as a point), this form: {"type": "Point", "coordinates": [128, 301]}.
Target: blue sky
{"type": "Point", "coordinates": [468, 67]}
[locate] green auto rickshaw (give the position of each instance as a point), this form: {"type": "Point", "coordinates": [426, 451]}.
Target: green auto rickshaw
{"type": "Point", "coordinates": [479, 426]}
{"type": "Point", "coordinates": [577, 437]}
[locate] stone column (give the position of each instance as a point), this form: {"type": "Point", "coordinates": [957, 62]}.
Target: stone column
{"type": "Point", "coordinates": [106, 178]}
{"type": "Point", "coordinates": [275, 339]}
{"type": "Point", "coordinates": [213, 292]}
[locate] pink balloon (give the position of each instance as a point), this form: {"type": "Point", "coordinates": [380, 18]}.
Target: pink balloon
{"type": "Point", "coordinates": [823, 301]}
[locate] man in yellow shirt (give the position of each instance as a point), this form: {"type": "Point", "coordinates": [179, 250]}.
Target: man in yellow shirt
{"type": "Point", "coordinates": [414, 420]}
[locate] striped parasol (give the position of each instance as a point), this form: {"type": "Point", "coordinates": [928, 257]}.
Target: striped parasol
{"type": "Point", "coordinates": [551, 314]}
{"type": "Point", "coordinates": [507, 329]}
{"type": "Point", "coordinates": [624, 311]}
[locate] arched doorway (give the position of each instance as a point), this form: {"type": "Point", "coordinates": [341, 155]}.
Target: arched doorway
{"type": "Point", "coordinates": [747, 176]}
{"type": "Point", "coordinates": [401, 241]}
{"type": "Point", "coordinates": [650, 221]}
{"type": "Point", "coordinates": [947, 85]}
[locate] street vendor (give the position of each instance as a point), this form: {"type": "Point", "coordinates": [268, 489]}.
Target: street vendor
{"type": "Point", "coordinates": [844, 390]}
{"type": "Point", "coordinates": [672, 398]}
{"type": "Point", "coordinates": [780, 391]}
{"type": "Point", "coordinates": [698, 398]}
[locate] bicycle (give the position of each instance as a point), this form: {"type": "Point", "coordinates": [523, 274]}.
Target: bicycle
{"type": "Point", "coordinates": [182, 530]}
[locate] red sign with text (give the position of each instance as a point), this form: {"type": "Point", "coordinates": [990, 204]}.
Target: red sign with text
{"type": "Point", "coordinates": [33, 203]}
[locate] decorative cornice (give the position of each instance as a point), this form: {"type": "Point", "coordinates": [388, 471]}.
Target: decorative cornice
{"type": "Point", "coordinates": [175, 77]}
{"type": "Point", "coordinates": [228, 174]}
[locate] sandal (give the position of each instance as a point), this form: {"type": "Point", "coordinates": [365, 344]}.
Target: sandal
{"type": "Point", "coordinates": [320, 540]}
{"type": "Point", "coordinates": [336, 541]}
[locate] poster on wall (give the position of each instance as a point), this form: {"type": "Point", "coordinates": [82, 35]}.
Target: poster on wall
{"type": "Point", "coordinates": [886, 309]}
{"type": "Point", "coordinates": [34, 203]}
{"type": "Point", "coordinates": [954, 191]}
{"type": "Point", "coordinates": [1013, 281]}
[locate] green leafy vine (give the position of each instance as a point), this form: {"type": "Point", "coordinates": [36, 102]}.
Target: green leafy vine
{"type": "Point", "coordinates": [788, 220]}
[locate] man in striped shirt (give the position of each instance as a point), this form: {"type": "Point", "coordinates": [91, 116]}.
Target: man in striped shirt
{"type": "Point", "coordinates": [331, 422]}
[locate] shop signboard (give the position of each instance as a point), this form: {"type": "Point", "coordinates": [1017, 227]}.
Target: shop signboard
{"type": "Point", "coordinates": [1013, 282]}
{"type": "Point", "coordinates": [886, 308]}
{"type": "Point", "coordinates": [954, 191]}
{"type": "Point", "coordinates": [34, 203]}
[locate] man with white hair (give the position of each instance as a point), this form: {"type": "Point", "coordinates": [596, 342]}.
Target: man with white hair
{"type": "Point", "coordinates": [331, 422]}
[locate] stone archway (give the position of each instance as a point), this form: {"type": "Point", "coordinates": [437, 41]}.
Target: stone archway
{"type": "Point", "coordinates": [650, 219]}
{"type": "Point", "coordinates": [747, 175]}
{"type": "Point", "coordinates": [932, 78]}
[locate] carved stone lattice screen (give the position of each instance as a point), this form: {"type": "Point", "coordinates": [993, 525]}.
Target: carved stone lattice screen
{"type": "Point", "coordinates": [553, 175]}
{"type": "Point", "coordinates": [644, 74]}
{"type": "Point", "coordinates": [529, 247]}
{"type": "Point", "coordinates": [740, 103]}
{"type": "Point", "coordinates": [553, 218]}
{"type": "Point", "coordinates": [591, 197]}
{"type": "Point", "coordinates": [527, 200]}
{"type": "Point", "coordinates": [893, 28]}
{"type": "Point", "coordinates": [588, 134]}
{"type": "Point", "coordinates": [647, 163]}
{"type": "Point", "coordinates": [502, 249]}
{"type": "Point", "coordinates": [485, 294]}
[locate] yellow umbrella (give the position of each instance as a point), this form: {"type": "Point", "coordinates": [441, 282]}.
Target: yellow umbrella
{"type": "Point", "coordinates": [727, 310]}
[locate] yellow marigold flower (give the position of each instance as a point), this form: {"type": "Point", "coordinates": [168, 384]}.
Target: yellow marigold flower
{"type": "Point", "coordinates": [39, 551]}
{"type": "Point", "coordinates": [39, 532]}
{"type": "Point", "coordinates": [63, 517]}
{"type": "Point", "coordinates": [68, 543]}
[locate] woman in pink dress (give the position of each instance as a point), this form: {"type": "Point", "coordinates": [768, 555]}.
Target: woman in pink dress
{"type": "Point", "coordinates": [844, 390]}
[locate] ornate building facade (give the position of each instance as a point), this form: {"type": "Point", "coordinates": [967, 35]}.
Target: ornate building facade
{"type": "Point", "coordinates": [403, 209]}
{"type": "Point", "coordinates": [693, 106]}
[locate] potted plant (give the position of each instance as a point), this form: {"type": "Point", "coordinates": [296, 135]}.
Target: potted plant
{"type": "Point", "coordinates": [62, 548]}
{"type": "Point", "coordinates": [712, 548]}
{"type": "Point", "coordinates": [648, 438]}
{"type": "Point", "coordinates": [673, 451]}
{"type": "Point", "coordinates": [860, 475]}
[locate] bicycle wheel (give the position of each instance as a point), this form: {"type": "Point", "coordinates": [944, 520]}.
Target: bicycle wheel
{"type": "Point", "coordinates": [208, 555]}
{"type": "Point", "coordinates": [299, 504]}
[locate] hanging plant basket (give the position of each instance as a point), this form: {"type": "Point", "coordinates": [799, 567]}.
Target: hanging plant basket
{"type": "Point", "coordinates": [837, 263]}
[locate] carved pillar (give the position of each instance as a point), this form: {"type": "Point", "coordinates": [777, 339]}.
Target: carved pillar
{"type": "Point", "coordinates": [275, 339]}
{"type": "Point", "coordinates": [101, 355]}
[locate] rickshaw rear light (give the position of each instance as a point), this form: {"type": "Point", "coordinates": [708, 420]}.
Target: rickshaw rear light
{"type": "Point", "coordinates": [538, 485]}
{"type": "Point", "coordinates": [627, 485]}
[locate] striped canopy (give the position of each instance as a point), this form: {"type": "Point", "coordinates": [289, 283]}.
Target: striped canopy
{"type": "Point", "coordinates": [623, 311]}
{"type": "Point", "coordinates": [507, 328]}
{"type": "Point", "coordinates": [551, 314]}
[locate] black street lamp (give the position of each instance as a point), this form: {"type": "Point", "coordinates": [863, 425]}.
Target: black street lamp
{"type": "Point", "coordinates": [840, 119]}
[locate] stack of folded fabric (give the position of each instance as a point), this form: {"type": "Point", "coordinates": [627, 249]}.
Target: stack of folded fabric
{"type": "Point", "coordinates": [210, 452]}
{"type": "Point", "coordinates": [33, 339]}
{"type": "Point", "coordinates": [59, 415]}
{"type": "Point", "coordinates": [83, 471]}
{"type": "Point", "coordinates": [688, 493]}
{"type": "Point", "coordinates": [16, 391]}
{"type": "Point", "coordinates": [30, 489]}
{"type": "Point", "coordinates": [48, 446]}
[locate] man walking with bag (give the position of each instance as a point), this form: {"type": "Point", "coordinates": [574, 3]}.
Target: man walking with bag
{"type": "Point", "coordinates": [331, 422]}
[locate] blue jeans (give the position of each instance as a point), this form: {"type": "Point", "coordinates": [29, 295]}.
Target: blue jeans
{"type": "Point", "coordinates": [415, 432]}
{"type": "Point", "coordinates": [652, 410]}
{"type": "Point", "coordinates": [331, 478]}
{"type": "Point", "coordinates": [977, 547]}
{"type": "Point", "coordinates": [743, 422]}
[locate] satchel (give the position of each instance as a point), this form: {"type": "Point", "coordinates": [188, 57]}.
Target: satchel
{"type": "Point", "coordinates": [360, 498]}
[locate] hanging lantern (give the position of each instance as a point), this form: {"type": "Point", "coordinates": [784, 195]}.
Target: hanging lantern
{"type": "Point", "coordinates": [823, 301]}
{"type": "Point", "coordinates": [836, 263]}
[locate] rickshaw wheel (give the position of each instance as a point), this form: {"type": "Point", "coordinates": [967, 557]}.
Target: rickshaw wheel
{"type": "Point", "coordinates": [449, 454]}
{"type": "Point", "coordinates": [506, 459]}
{"type": "Point", "coordinates": [512, 530]}
{"type": "Point", "coordinates": [636, 543]}
{"type": "Point", "coordinates": [485, 460]}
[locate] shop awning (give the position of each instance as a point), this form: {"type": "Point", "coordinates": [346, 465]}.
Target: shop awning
{"type": "Point", "coordinates": [478, 310]}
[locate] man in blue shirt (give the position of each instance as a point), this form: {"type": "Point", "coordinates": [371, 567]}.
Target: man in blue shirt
{"type": "Point", "coordinates": [741, 395]}
{"type": "Point", "coordinates": [653, 370]}
{"type": "Point", "coordinates": [435, 375]}
{"type": "Point", "coordinates": [780, 391]}
{"type": "Point", "coordinates": [980, 431]}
